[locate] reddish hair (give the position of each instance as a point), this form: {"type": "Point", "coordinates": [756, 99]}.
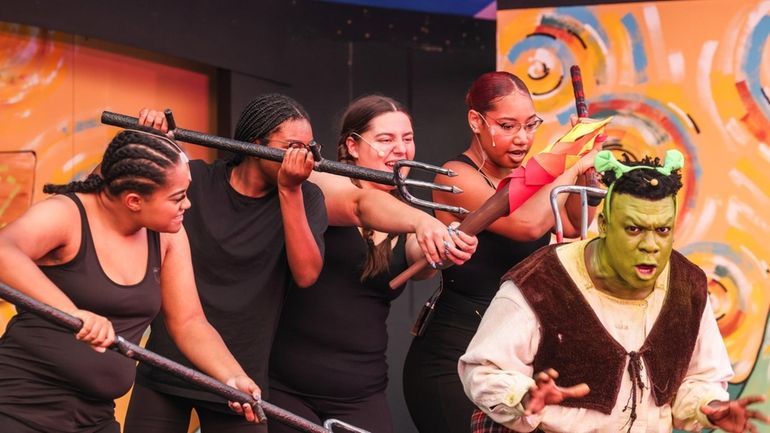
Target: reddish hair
{"type": "Point", "coordinates": [490, 87]}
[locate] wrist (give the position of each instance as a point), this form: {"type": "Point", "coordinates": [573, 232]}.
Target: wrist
{"type": "Point", "coordinates": [286, 190]}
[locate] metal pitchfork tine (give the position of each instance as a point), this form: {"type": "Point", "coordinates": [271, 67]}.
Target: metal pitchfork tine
{"type": "Point", "coordinates": [584, 192]}
{"type": "Point", "coordinates": [402, 183]}
{"type": "Point", "coordinates": [394, 178]}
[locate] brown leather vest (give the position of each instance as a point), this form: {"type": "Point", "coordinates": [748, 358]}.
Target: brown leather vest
{"type": "Point", "coordinates": [576, 344]}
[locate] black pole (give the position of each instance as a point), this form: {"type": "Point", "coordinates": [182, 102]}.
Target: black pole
{"type": "Point", "coordinates": [141, 354]}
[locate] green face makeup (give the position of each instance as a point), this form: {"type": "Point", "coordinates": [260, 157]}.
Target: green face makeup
{"type": "Point", "coordinates": [638, 240]}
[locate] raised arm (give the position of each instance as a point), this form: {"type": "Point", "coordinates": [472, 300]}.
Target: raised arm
{"type": "Point", "coordinates": [348, 205]}
{"type": "Point", "coordinates": [532, 219]}
{"type": "Point", "coordinates": [302, 249]}
{"type": "Point", "coordinates": [187, 323]}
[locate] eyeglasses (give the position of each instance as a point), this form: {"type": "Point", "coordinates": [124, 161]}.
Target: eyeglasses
{"type": "Point", "coordinates": [513, 128]}
{"type": "Point", "coordinates": [296, 144]}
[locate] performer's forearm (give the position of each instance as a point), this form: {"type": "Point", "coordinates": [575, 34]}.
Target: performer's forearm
{"type": "Point", "coordinates": [302, 251]}
{"type": "Point", "coordinates": [204, 347]}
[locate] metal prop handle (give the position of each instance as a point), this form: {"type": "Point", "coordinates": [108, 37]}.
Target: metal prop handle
{"type": "Point", "coordinates": [582, 111]}
{"type": "Point", "coordinates": [585, 193]}
{"type": "Point", "coordinates": [139, 353]}
{"type": "Point", "coordinates": [325, 165]}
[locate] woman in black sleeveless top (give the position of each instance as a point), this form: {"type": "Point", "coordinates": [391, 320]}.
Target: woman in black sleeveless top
{"type": "Point", "coordinates": [502, 118]}
{"type": "Point", "coordinates": [70, 251]}
{"type": "Point", "coordinates": [328, 357]}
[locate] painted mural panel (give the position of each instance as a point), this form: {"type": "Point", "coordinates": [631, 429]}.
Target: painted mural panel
{"type": "Point", "coordinates": [691, 75]}
{"type": "Point", "coordinates": [53, 89]}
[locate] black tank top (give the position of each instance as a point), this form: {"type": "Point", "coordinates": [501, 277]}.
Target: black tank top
{"type": "Point", "coordinates": [332, 337]}
{"type": "Point", "coordinates": [42, 362]}
{"type": "Point", "coordinates": [479, 278]}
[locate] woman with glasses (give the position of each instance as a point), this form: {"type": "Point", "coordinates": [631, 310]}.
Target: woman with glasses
{"type": "Point", "coordinates": [502, 119]}
{"type": "Point", "coordinates": [328, 358]}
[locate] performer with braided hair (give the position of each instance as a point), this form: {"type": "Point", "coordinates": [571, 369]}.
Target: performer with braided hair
{"type": "Point", "coordinates": [256, 228]}
{"type": "Point", "coordinates": [238, 230]}
{"type": "Point", "coordinates": [623, 323]}
{"type": "Point", "coordinates": [328, 358]}
{"type": "Point", "coordinates": [70, 251]}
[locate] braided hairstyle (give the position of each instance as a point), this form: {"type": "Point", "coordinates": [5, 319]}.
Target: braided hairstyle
{"type": "Point", "coordinates": [133, 161]}
{"type": "Point", "coordinates": [263, 116]}
{"type": "Point", "coordinates": [356, 121]}
{"type": "Point", "coordinates": [640, 184]}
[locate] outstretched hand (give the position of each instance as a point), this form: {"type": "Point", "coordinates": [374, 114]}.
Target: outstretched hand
{"type": "Point", "coordinates": [545, 392]}
{"type": "Point", "coordinates": [440, 243]}
{"type": "Point", "coordinates": [734, 416]}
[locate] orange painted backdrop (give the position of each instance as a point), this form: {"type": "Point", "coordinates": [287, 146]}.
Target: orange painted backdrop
{"type": "Point", "coordinates": [692, 75]}
{"type": "Point", "coordinates": [53, 89]}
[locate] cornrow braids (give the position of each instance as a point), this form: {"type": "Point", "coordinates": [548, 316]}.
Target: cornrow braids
{"type": "Point", "coordinates": [133, 161]}
{"type": "Point", "coordinates": [263, 116]}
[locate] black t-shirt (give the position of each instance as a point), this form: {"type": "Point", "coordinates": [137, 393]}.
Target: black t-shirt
{"type": "Point", "coordinates": [241, 272]}
{"type": "Point", "coordinates": [332, 337]}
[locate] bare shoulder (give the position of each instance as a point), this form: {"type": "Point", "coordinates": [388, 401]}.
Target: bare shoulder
{"type": "Point", "coordinates": [55, 212]}
{"type": "Point", "coordinates": [174, 244]}
{"type": "Point", "coordinates": [48, 225]}
{"type": "Point", "coordinates": [475, 188]}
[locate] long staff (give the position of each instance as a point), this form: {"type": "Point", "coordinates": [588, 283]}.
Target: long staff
{"type": "Point", "coordinates": [395, 178]}
{"type": "Point", "coordinates": [591, 194]}
{"type": "Point", "coordinates": [141, 354]}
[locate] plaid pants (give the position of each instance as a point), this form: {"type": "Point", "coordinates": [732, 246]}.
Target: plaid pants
{"type": "Point", "coordinates": [481, 423]}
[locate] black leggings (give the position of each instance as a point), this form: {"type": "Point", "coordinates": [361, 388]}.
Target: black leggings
{"type": "Point", "coordinates": [432, 389]}
{"type": "Point", "coordinates": [150, 411]}
{"type": "Point", "coordinates": [371, 413]}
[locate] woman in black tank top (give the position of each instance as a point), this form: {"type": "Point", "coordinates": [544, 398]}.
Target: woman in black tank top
{"type": "Point", "coordinates": [70, 251]}
{"type": "Point", "coordinates": [502, 118]}
{"type": "Point", "coordinates": [328, 357]}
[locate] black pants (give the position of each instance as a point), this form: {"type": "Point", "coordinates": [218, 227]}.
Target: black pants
{"type": "Point", "coordinates": [432, 388]}
{"type": "Point", "coordinates": [150, 411]}
{"type": "Point", "coordinates": [371, 413]}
